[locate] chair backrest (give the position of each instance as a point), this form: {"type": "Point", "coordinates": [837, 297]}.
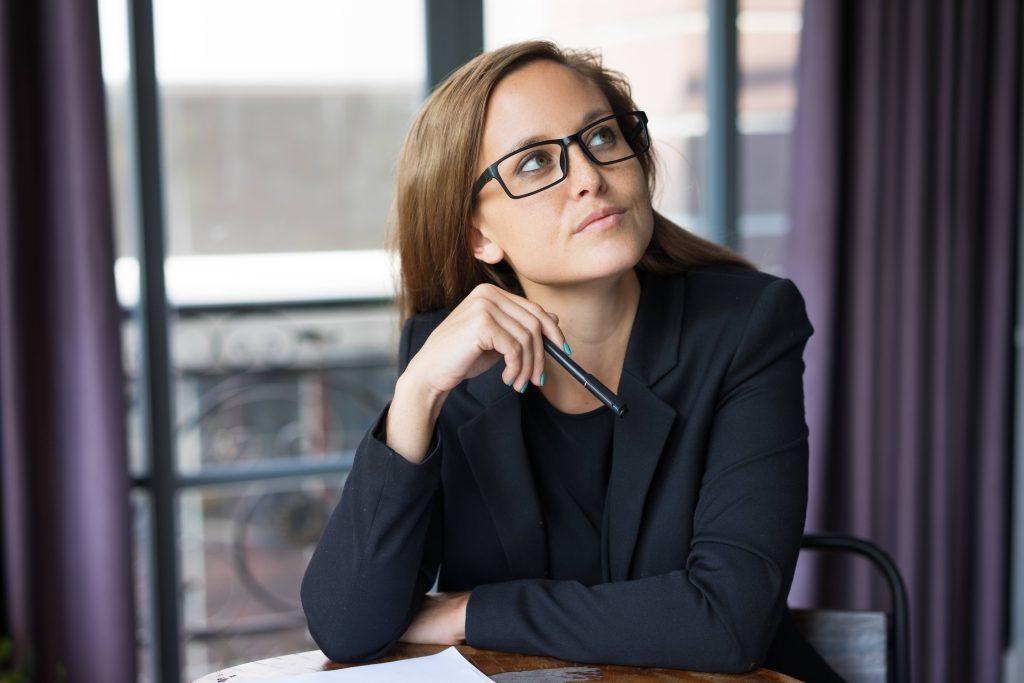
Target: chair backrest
{"type": "Point", "coordinates": [861, 645]}
{"type": "Point", "coordinates": [854, 643]}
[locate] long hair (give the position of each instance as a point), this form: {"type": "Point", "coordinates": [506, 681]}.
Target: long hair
{"type": "Point", "coordinates": [429, 218]}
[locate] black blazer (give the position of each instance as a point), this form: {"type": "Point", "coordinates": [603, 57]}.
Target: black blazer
{"type": "Point", "coordinates": [706, 501]}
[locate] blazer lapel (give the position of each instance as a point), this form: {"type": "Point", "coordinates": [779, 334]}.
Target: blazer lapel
{"type": "Point", "coordinates": [493, 442]}
{"type": "Point", "coordinates": [637, 445]}
{"type": "Point", "coordinates": [494, 446]}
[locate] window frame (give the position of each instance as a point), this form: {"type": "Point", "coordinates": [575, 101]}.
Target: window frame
{"type": "Point", "coordinates": [455, 34]}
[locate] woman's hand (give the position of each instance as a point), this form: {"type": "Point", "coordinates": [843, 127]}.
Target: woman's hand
{"type": "Point", "coordinates": [441, 619]}
{"type": "Point", "coordinates": [487, 325]}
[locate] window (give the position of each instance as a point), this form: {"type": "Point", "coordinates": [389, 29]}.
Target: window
{"type": "Point", "coordinates": [279, 125]}
{"type": "Point", "coordinates": [768, 46]}
{"type": "Point", "coordinates": [276, 128]}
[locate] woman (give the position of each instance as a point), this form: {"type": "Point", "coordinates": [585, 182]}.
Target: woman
{"type": "Point", "coordinates": [668, 537]}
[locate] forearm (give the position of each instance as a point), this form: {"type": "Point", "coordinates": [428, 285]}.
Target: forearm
{"type": "Point", "coordinates": [717, 613]}
{"type": "Point", "coordinates": [670, 620]}
{"type": "Point", "coordinates": [379, 550]}
{"type": "Point", "coordinates": [411, 418]}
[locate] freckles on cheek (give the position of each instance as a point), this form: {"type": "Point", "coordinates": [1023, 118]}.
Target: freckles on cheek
{"type": "Point", "coordinates": [536, 252]}
{"type": "Point", "coordinates": [533, 232]}
{"type": "Point", "coordinates": [539, 246]}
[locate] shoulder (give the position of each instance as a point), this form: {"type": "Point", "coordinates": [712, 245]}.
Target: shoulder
{"type": "Point", "coordinates": [728, 282]}
{"type": "Point", "coordinates": [744, 310]}
{"type": "Point", "coordinates": [741, 293]}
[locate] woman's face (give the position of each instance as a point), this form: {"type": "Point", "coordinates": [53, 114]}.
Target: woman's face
{"type": "Point", "coordinates": [536, 234]}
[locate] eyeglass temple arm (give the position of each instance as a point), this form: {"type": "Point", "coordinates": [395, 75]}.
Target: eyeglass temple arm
{"type": "Point", "coordinates": [638, 129]}
{"type": "Point", "coordinates": [483, 180]}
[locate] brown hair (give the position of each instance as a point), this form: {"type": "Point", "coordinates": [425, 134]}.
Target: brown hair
{"type": "Point", "coordinates": [432, 207]}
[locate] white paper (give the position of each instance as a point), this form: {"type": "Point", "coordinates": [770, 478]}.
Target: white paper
{"type": "Point", "coordinates": [446, 666]}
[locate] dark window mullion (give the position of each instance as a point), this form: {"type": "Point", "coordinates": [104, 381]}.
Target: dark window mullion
{"type": "Point", "coordinates": [722, 165]}
{"type": "Point", "coordinates": [455, 34]}
{"type": "Point", "coordinates": [153, 324]}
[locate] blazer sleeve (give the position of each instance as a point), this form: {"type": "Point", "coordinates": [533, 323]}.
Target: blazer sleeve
{"type": "Point", "coordinates": [381, 548]}
{"type": "Point", "coordinates": [719, 613]}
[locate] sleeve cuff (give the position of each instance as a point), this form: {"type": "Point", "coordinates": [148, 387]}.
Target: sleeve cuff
{"type": "Point", "coordinates": [485, 620]}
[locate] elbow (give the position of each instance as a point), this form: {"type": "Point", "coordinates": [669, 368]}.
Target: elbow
{"type": "Point", "coordinates": [741, 662]}
{"type": "Point", "coordinates": [722, 658]}
{"type": "Point", "coordinates": [324, 609]}
{"type": "Point", "coordinates": [743, 619]}
{"type": "Point", "coordinates": [348, 648]}
{"type": "Point", "coordinates": [341, 648]}
{"type": "Point", "coordinates": [750, 647]}
{"type": "Point", "coordinates": [733, 644]}
{"type": "Point", "coordinates": [342, 641]}
{"type": "Point", "coordinates": [733, 659]}
{"type": "Point", "coordinates": [718, 649]}
{"type": "Point", "coordinates": [336, 630]}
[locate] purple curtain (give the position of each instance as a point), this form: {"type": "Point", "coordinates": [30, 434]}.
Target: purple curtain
{"type": "Point", "coordinates": [904, 209]}
{"type": "Point", "coordinates": [65, 534]}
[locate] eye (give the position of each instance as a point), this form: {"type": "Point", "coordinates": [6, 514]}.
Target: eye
{"type": "Point", "coordinates": [542, 156]}
{"type": "Point", "coordinates": [602, 132]}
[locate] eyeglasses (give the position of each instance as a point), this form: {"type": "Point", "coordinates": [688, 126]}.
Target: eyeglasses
{"type": "Point", "coordinates": [531, 169]}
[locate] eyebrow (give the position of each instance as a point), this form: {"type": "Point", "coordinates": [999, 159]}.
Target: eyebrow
{"type": "Point", "coordinates": [587, 118]}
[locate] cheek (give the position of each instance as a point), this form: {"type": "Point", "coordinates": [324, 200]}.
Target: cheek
{"type": "Point", "coordinates": [535, 243]}
{"type": "Point", "coordinates": [535, 227]}
{"type": "Point", "coordinates": [530, 237]}
{"type": "Point", "coordinates": [640, 191]}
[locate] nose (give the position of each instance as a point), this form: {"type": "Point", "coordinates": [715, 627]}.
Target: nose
{"type": "Point", "coordinates": [582, 172]}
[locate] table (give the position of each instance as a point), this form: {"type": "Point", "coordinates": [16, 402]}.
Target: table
{"type": "Point", "coordinates": [509, 667]}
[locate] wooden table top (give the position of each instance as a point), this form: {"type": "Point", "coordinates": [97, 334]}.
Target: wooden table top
{"type": "Point", "coordinates": [500, 666]}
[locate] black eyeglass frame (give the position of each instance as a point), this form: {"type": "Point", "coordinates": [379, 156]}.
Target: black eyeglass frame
{"type": "Point", "coordinates": [491, 172]}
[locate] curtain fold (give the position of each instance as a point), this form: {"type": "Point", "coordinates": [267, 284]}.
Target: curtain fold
{"type": "Point", "coordinates": [64, 485]}
{"type": "Point", "coordinates": [904, 211]}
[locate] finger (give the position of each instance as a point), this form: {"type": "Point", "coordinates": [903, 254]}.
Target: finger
{"type": "Point", "coordinates": [534, 318]}
{"type": "Point", "coordinates": [526, 331]}
{"type": "Point", "coordinates": [509, 338]}
{"type": "Point", "coordinates": [507, 299]}
{"type": "Point", "coordinates": [533, 348]}
{"type": "Point", "coordinates": [533, 325]}
{"type": "Point", "coordinates": [542, 324]}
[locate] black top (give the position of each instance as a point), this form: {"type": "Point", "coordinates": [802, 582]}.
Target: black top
{"type": "Point", "coordinates": [570, 455]}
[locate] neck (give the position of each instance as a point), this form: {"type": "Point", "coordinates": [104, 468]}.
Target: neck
{"type": "Point", "coordinates": [596, 318]}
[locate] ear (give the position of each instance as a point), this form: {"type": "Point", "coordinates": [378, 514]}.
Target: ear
{"type": "Point", "coordinates": [484, 248]}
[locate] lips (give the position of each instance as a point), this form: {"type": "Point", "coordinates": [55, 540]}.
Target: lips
{"type": "Point", "coordinates": [597, 215]}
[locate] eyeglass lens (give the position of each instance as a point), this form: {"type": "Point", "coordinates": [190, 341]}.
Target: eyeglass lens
{"type": "Point", "coordinates": [610, 141]}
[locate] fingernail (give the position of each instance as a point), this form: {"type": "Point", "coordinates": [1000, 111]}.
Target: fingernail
{"type": "Point", "coordinates": [525, 384]}
{"type": "Point", "coordinates": [542, 379]}
{"type": "Point", "coordinates": [565, 345]}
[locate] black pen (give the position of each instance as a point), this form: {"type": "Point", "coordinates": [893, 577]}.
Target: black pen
{"type": "Point", "coordinates": [586, 379]}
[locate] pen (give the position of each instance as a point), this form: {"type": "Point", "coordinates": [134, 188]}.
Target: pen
{"type": "Point", "coordinates": [586, 379]}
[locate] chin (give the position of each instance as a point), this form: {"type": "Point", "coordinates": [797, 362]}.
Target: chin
{"type": "Point", "coordinates": [602, 268]}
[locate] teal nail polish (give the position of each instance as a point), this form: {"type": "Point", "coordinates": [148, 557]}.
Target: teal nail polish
{"type": "Point", "coordinates": [523, 390]}
{"type": "Point", "coordinates": [542, 379]}
{"type": "Point", "coordinates": [565, 345]}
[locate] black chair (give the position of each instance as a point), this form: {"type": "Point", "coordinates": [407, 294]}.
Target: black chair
{"type": "Point", "coordinates": [861, 645]}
